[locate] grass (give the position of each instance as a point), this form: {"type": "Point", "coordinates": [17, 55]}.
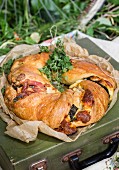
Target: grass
{"type": "Point", "coordinates": [19, 19]}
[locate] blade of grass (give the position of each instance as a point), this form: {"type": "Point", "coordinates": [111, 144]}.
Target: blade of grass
{"type": "Point", "coordinates": [5, 11]}
{"type": "Point", "coordinates": [26, 11]}
{"type": "Point", "coordinates": [15, 11]}
{"type": "Point", "coordinates": [2, 5]}
{"type": "Point", "coordinates": [48, 13]}
{"type": "Point", "coordinates": [75, 5]}
{"type": "Point", "coordinates": [58, 9]}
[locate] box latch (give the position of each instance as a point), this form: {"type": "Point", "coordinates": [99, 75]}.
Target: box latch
{"type": "Point", "coordinates": [39, 165]}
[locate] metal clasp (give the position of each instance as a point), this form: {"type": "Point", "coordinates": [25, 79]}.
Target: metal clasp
{"type": "Point", "coordinates": [109, 138]}
{"type": "Point", "coordinates": [40, 165]}
{"type": "Point", "coordinates": [67, 156]}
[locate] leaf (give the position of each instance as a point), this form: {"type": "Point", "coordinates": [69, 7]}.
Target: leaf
{"type": "Point", "coordinates": [4, 51]}
{"type": "Point", "coordinates": [116, 19]}
{"type": "Point", "coordinates": [6, 67]}
{"type": "Point", "coordinates": [83, 5]}
{"type": "Point", "coordinates": [28, 40]}
{"type": "Point", "coordinates": [26, 11]}
{"type": "Point", "coordinates": [104, 21]}
{"type": "Point", "coordinates": [96, 24]}
{"type": "Point", "coordinates": [61, 1]}
{"type": "Point", "coordinates": [67, 8]}
{"type": "Point", "coordinates": [114, 29]}
{"type": "Point", "coordinates": [90, 31]}
{"type": "Point", "coordinates": [115, 2]}
{"type": "Point", "coordinates": [35, 36]}
{"type": "Point", "coordinates": [59, 10]}
{"type": "Point", "coordinates": [35, 5]}
{"type": "Point", "coordinates": [48, 4]}
{"type": "Point", "coordinates": [20, 24]}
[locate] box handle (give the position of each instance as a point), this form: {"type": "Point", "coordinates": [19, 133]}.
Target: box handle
{"type": "Point", "coordinates": [75, 164]}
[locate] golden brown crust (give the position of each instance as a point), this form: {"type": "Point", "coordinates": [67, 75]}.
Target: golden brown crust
{"type": "Point", "coordinates": [35, 61]}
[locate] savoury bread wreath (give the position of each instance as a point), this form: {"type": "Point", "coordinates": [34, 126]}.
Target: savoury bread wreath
{"type": "Point", "coordinates": [87, 94]}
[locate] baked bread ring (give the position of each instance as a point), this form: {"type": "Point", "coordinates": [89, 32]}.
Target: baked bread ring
{"type": "Point", "coordinates": [31, 96]}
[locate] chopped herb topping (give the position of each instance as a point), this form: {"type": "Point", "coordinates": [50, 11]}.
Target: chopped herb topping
{"type": "Point", "coordinates": [43, 49]}
{"type": "Point", "coordinates": [57, 64]}
{"type": "Point", "coordinates": [6, 67]}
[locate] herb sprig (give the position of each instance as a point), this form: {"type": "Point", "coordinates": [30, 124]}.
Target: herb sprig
{"type": "Point", "coordinates": [57, 64]}
{"type": "Point", "coordinates": [6, 67]}
{"type": "Point", "coordinates": [43, 49]}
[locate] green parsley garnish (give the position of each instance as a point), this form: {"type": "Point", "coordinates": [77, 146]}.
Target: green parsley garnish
{"type": "Point", "coordinates": [6, 67]}
{"type": "Point", "coordinates": [57, 64]}
{"type": "Point", "coordinates": [43, 49]}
